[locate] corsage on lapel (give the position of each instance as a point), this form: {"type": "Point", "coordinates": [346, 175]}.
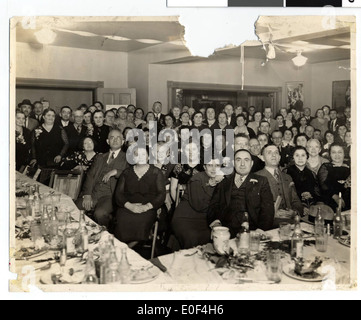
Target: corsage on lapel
{"type": "Point", "coordinates": [292, 184]}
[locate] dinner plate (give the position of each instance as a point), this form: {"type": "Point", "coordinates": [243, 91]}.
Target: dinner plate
{"type": "Point", "coordinates": [36, 254]}
{"type": "Point", "coordinates": [290, 272]}
{"type": "Point", "coordinates": [144, 275]}
{"type": "Point", "coordinates": [62, 274]}
{"type": "Point", "coordinates": [344, 242]}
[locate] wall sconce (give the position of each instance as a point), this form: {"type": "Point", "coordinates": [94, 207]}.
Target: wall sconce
{"type": "Point", "coordinates": [299, 60]}
{"type": "Point", "coordinates": [45, 36]}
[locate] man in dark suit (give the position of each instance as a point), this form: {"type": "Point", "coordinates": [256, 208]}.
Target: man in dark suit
{"type": "Point", "coordinates": [231, 117]}
{"type": "Point", "coordinates": [283, 189]}
{"type": "Point", "coordinates": [242, 192]}
{"type": "Point", "coordinates": [76, 132]}
{"type": "Point", "coordinates": [101, 180]}
{"type": "Point", "coordinates": [272, 122]}
{"type": "Point", "coordinates": [157, 110]}
{"type": "Point", "coordinates": [334, 122]}
{"type": "Point", "coordinates": [64, 116]}
{"type": "Point", "coordinates": [37, 112]}
{"type": "Point", "coordinates": [26, 107]}
{"type": "Point", "coordinates": [307, 115]}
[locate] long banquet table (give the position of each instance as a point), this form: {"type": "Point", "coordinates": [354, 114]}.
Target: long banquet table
{"type": "Point", "coordinates": [186, 269]}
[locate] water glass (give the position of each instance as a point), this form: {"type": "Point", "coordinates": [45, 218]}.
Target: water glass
{"type": "Point", "coordinates": [254, 243]}
{"type": "Point", "coordinates": [274, 266]}
{"type": "Point", "coordinates": [321, 242]}
{"type": "Point", "coordinates": [285, 231]}
{"type": "Point", "coordinates": [56, 198]}
{"type": "Point", "coordinates": [35, 230]}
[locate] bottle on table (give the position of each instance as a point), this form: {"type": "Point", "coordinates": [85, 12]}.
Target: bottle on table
{"type": "Point", "coordinates": [337, 221]}
{"type": "Point", "coordinates": [54, 229]}
{"type": "Point", "coordinates": [45, 222]}
{"type": "Point", "coordinates": [297, 240]}
{"type": "Point", "coordinates": [105, 248]}
{"type": "Point", "coordinates": [90, 276]}
{"type": "Point", "coordinates": [319, 223]}
{"type": "Point", "coordinates": [124, 267]}
{"type": "Point", "coordinates": [244, 236]}
{"type": "Point", "coordinates": [69, 237]}
{"type": "Point", "coordinates": [82, 235]}
{"type": "Point", "coordinates": [112, 274]}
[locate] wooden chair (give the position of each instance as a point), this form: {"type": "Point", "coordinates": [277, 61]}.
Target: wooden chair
{"type": "Point", "coordinates": [31, 172]}
{"type": "Point", "coordinates": [155, 233]}
{"type": "Point", "coordinates": [67, 182]}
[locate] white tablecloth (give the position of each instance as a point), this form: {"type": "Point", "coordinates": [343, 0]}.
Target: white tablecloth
{"type": "Point", "coordinates": [187, 270]}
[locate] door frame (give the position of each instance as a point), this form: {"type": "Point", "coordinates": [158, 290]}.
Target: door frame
{"type": "Point", "coordinates": [172, 85]}
{"type": "Point", "coordinates": [37, 83]}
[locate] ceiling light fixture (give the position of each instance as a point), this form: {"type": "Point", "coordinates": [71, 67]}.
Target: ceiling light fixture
{"type": "Point", "coordinates": [299, 60]}
{"type": "Point", "coordinates": [271, 54]}
{"type": "Point", "coordinates": [45, 36]}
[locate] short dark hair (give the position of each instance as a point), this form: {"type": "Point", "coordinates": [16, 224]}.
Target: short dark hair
{"type": "Point", "coordinates": [267, 146]}
{"type": "Point", "coordinates": [101, 104]}
{"type": "Point", "coordinates": [300, 148]}
{"type": "Point", "coordinates": [66, 107]}
{"type": "Point", "coordinates": [300, 135]}
{"type": "Point", "coordinates": [243, 150]}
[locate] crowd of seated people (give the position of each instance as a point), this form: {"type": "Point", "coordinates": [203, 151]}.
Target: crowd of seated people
{"type": "Point", "coordinates": [281, 164]}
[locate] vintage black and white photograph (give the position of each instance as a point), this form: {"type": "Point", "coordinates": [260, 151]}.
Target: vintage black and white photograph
{"type": "Point", "coordinates": [139, 166]}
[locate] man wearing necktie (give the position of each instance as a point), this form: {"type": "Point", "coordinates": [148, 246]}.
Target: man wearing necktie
{"type": "Point", "coordinates": [37, 112]}
{"type": "Point", "coordinates": [26, 107]}
{"type": "Point", "coordinates": [241, 192]}
{"type": "Point", "coordinates": [157, 110]}
{"type": "Point", "coordinates": [334, 122]}
{"type": "Point", "coordinates": [76, 132]}
{"type": "Point", "coordinates": [101, 180]}
{"type": "Point", "coordinates": [283, 189]}
{"type": "Point", "coordinates": [272, 122]}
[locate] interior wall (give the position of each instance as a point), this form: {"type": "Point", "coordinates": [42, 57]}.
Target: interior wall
{"type": "Point", "coordinates": [139, 63]}
{"type": "Point", "coordinates": [63, 63]}
{"type": "Point", "coordinates": [323, 74]}
{"type": "Point", "coordinates": [228, 71]}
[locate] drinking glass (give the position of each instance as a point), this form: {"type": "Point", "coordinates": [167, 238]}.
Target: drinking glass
{"type": "Point", "coordinates": [285, 231]}
{"type": "Point", "coordinates": [255, 238]}
{"type": "Point", "coordinates": [321, 242]}
{"type": "Point", "coordinates": [56, 198]}
{"type": "Point", "coordinates": [35, 230]}
{"type": "Point", "coordinates": [274, 266]}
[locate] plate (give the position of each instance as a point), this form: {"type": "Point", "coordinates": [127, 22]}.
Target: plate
{"type": "Point", "coordinates": [144, 275]}
{"type": "Point", "coordinates": [26, 253]}
{"type": "Point", "coordinates": [345, 241]}
{"type": "Point", "coordinates": [62, 275]}
{"type": "Point", "coordinates": [290, 272]}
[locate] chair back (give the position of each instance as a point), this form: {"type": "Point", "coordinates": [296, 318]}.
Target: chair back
{"type": "Point", "coordinates": [67, 182]}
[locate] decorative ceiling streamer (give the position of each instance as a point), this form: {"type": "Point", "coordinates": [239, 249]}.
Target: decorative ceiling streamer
{"type": "Point", "coordinates": [110, 37]}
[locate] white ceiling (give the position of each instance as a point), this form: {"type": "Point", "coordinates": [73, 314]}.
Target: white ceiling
{"type": "Point", "coordinates": [123, 36]}
{"type": "Point", "coordinates": [129, 34]}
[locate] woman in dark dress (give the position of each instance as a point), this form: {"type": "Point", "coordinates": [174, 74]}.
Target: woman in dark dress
{"type": "Point", "coordinates": [23, 142]}
{"type": "Point", "coordinates": [305, 180]}
{"type": "Point", "coordinates": [188, 167]}
{"type": "Point", "coordinates": [189, 222]}
{"type": "Point", "coordinates": [83, 159]}
{"type": "Point", "coordinates": [139, 194]}
{"type": "Point", "coordinates": [100, 132]}
{"type": "Point", "coordinates": [49, 145]}
{"type": "Point", "coordinates": [333, 178]}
